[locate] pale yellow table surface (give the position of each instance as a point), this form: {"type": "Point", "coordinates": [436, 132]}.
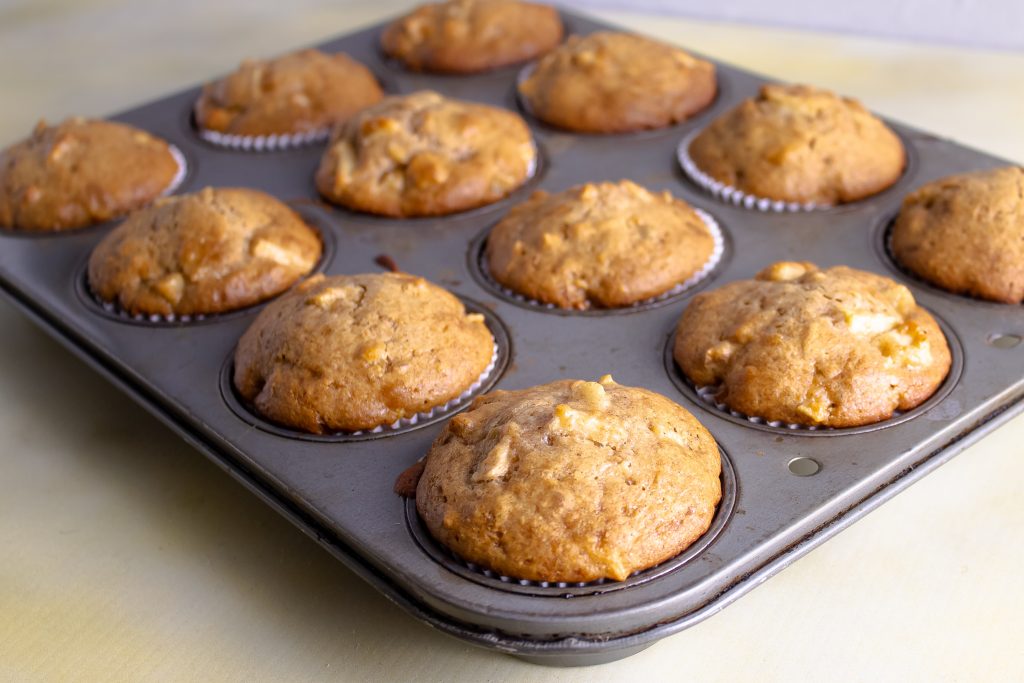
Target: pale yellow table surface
{"type": "Point", "coordinates": [125, 555]}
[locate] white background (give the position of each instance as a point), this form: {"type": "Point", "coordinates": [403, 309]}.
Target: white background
{"type": "Point", "coordinates": [981, 23]}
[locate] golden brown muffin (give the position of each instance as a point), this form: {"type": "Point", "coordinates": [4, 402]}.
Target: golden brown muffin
{"type": "Point", "coordinates": [965, 234]}
{"type": "Point", "coordinates": [836, 348]}
{"type": "Point", "coordinates": [599, 244]}
{"type": "Point", "coordinates": [208, 252]}
{"type": "Point", "coordinates": [570, 481]}
{"type": "Point", "coordinates": [467, 36]}
{"type": "Point", "coordinates": [354, 352]}
{"type": "Point", "coordinates": [617, 82]}
{"type": "Point", "coordinates": [82, 172]}
{"type": "Point", "coordinates": [796, 143]}
{"type": "Point", "coordinates": [300, 92]}
{"type": "Point", "coordinates": [426, 155]}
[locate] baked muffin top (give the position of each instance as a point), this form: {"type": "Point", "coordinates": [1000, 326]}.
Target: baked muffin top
{"type": "Point", "coordinates": [610, 82]}
{"type": "Point", "coordinates": [208, 252]}
{"type": "Point", "coordinates": [82, 172]}
{"type": "Point", "coordinates": [467, 36]}
{"type": "Point", "coordinates": [354, 352]}
{"type": "Point", "coordinates": [426, 155]}
{"type": "Point", "coordinates": [836, 348]}
{"type": "Point", "coordinates": [570, 481]}
{"type": "Point", "coordinates": [600, 244]}
{"type": "Point", "coordinates": [800, 144]}
{"type": "Point", "coordinates": [965, 233]}
{"type": "Point", "coordinates": [299, 92]}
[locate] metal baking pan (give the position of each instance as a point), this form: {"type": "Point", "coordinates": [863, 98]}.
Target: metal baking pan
{"type": "Point", "coordinates": [339, 489]}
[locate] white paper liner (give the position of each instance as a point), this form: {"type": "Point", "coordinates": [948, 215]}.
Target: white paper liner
{"type": "Point", "coordinates": [114, 309]}
{"type": "Point", "coordinates": [733, 195]}
{"type": "Point", "coordinates": [707, 394]}
{"type": "Point", "coordinates": [716, 256]}
{"type": "Point", "coordinates": [496, 576]}
{"type": "Point", "coordinates": [264, 143]}
{"type": "Point", "coordinates": [491, 574]}
{"type": "Point", "coordinates": [531, 170]}
{"type": "Point", "coordinates": [179, 177]}
{"type": "Point", "coordinates": [521, 76]}
{"type": "Point", "coordinates": [436, 410]}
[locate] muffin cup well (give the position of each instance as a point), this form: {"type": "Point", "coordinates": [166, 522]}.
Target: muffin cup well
{"type": "Point", "coordinates": [273, 142]}
{"type": "Point", "coordinates": [114, 311]}
{"type": "Point", "coordinates": [704, 396]}
{"type": "Point", "coordinates": [486, 380]}
{"type": "Point", "coordinates": [176, 182]}
{"type": "Point", "coordinates": [564, 589]}
{"type": "Point", "coordinates": [478, 265]}
{"type": "Point", "coordinates": [523, 102]}
{"type": "Point", "coordinates": [883, 249]}
{"type": "Point", "coordinates": [484, 577]}
{"type": "Point", "coordinates": [535, 170]}
{"type": "Point", "coordinates": [733, 195]}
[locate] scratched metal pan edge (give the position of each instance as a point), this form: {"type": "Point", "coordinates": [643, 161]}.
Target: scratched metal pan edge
{"type": "Point", "coordinates": [313, 483]}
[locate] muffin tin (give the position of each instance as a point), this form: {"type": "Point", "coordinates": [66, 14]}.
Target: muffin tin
{"type": "Point", "coordinates": [786, 490]}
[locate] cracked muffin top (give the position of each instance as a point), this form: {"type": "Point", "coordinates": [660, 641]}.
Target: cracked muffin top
{"type": "Point", "coordinates": [354, 352]}
{"type": "Point", "coordinates": [300, 92]}
{"type": "Point", "coordinates": [82, 172]}
{"type": "Point", "coordinates": [965, 234]}
{"type": "Point", "coordinates": [800, 144]}
{"type": "Point", "coordinates": [598, 244]}
{"type": "Point", "coordinates": [835, 348]}
{"type": "Point", "coordinates": [468, 36]}
{"type": "Point", "coordinates": [570, 481]}
{"type": "Point", "coordinates": [426, 155]}
{"type": "Point", "coordinates": [609, 82]}
{"type": "Point", "coordinates": [208, 252]}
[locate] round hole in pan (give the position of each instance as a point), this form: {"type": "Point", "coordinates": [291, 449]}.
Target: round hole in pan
{"type": "Point", "coordinates": [243, 411]}
{"type": "Point", "coordinates": [1004, 340]}
{"type": "Point", "coordinates": [490, 579]}
{"type": "Point", "coordinates": [685, 387]}
{"type": "Point", "coordinates": [804, 467]}
{"type": "Point", "coordinates": [112, 311]}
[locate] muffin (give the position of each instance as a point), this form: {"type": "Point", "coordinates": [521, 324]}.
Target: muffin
{"type": "Point", "coordinates": [355, 352]}
{"type": "Point", "coordinates": [796, 143]}
{"type": "Point", "coordinates": [82, 172]}
{"type": "Point", "coordinates": [208, 252]}
{"type": "Point", "coordinates": [965, 234]}
{"type": "Point", "coordinates": [599, 244]}
{"type": "Point", "coordinates": [426, 155]}
{"type": "Point", "coordinates": [302, 92]}
{"type": "Point", "coordinates": [570, 481]}
{"type": "Point", "coordinates": [468, 36]}
{"type": "Point", "coordinates": [833, 348]}
{"type": "Point", "coordinates": [616, 83]}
